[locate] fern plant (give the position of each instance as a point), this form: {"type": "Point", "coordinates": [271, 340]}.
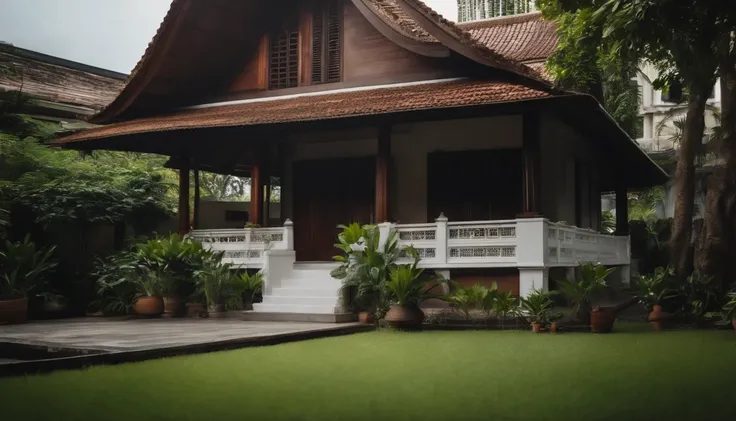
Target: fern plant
{"type": "Point", "coordinates": [24, 266]}
{"type": "Point", "coordinates": [591, 279]}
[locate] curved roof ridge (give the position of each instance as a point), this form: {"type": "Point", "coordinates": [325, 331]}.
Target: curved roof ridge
{"type": "Point", "coordinates": [501, 20]}
{"type": "Point", "coordinates": [480, 52]}
{"type": "Point", "coordinates": [393, 15]}
{"type": "Point", "coordinates": [126, 97]}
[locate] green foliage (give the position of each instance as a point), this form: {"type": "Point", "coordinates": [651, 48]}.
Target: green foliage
{"type": "Point", "coordinates": [654, 289]}
{"type": "Point", "coordinates": [476, 297]}
{"type": "Point", "coordinates": [591, 278]}
{"type": "Point", "coordinates": [117, 276]}
{"type": "Point", "coordinates": [174, 259]}
{"type": "Point", "coordinates": [217, 280]}
{"type": "Point", "coordinates": [699, 295]}
{"type": "Point", "coordinates": [23, 266]}
{"type": "Point", "coordinates": [728, 311]}
{"type": "Point", "coordinates": [505, 305]}
{"type": "Point", "coordinates": [245, 287]}
{"type": "Point", "coordinates": [536, 306]}
{"type": "Point", "coordinates": [608, 222]}
{"type": "Point", "coordinates": [366, 265]}
{"type": "Point", "coordinates": [642, 204]}
{"type": "Point", "coordinates": [224, 187]}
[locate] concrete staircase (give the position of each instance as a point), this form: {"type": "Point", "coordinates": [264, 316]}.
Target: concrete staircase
{"type": "Point", "coordinates": [310, 294]}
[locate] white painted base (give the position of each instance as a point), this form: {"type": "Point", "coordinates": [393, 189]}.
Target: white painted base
{"type": "Point", "coordinates": [536, 278]}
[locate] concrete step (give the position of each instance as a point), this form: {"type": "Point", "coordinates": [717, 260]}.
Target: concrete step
{"type": "Point", "coordinates": [262, 316]}
{"type": "Point", "coordinates": [304, 292]}
{"type": "Point", "coordinates": [294, 308]}
{"type": "Point", "coordinates": [311, 283]}
{"type": "Point", "coordinates": [315, 270]}
{"type": "Point", "coordinates": [300, 300]}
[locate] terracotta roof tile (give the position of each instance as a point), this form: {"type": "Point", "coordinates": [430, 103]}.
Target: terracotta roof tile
{"type": "Point", "coordinates": [520, 37]}
{"type": "Point", "coordinates": [57, 83]}
{"type": "Point", "coordinates": [394, 15]}
{"type": "Point", "coordinates": [463, 36]}
{"type": "Point", "coordinates": [328, 105]}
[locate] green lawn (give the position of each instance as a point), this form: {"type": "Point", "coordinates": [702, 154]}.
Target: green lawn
{"type": "Point", "coordinates": [630, 375]}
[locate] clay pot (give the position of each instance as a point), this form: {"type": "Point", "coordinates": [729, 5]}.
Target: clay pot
{"type": "Point", "coordinates": [171, 306]}
{"type": "Point", "coordinates": [216, 311]}
{"type": "Point", "coordinates": [601, 320]}
{"type": "Point", "coordinates": [658, 318]}
{"type": "Point", "coordinates": [366, 317]}
{"type": "Point", "coordinates": [195, 310]}
{"type": "Point", "coordinates": [149, 306]}
{"type": "Point", "coordinates": [405, 317]}
{"type": "Point", "coordinates": [553, 327]}
{"type": "Point", "coordinates": [536, 327]}
{"type": "Point", "coordinates": [13, 311]}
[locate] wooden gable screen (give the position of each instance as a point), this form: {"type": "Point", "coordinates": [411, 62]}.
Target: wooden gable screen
{"type": "Point", "coordinates": [326, 43]}
{"type": "Point", "coordinates": [283, 54]}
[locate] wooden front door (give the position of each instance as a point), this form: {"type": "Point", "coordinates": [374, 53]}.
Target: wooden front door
{"type": "Point", "coordinates": [328, 193]}
{"type": "Point", "coordinates": [474, 185]}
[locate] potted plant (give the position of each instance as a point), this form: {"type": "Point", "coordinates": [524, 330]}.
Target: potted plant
{"type": "Point", "coordinates": [216, 280]}
{"type": "Point", "coordinates": [602, 319]}
{"type": "Point", "coordinates": [365, 265]}
{"type": "Point", "coordinates": [23, 267]}
{"type": "Point", "coordinates": [535, 307]}
{"type": "Point", "coordinates": [116, 285]}
{"type": "Point", "coordinates": [149, 302]}
{"type": "Point", "coordinates": [652, 291]}
{"type": "Point", "coordinates": [554, 321]}
{"type": "Point", "coordinates": [591, 279]}
{"type": "Point", "coordinates": [466, 299]}
{"type": "Point", "coordinates": [245, 287]}
{"type": "Point", "coordinates": [728, 311]}
{"type": "Point", "coordinates": [505, 305]}
{"type": "Point", "coordinates": [407, 290]}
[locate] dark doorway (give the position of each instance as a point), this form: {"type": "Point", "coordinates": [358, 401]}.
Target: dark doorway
{"type": "Point", "coordinates": [474, 185]}
{"type": "Point", "coordinates": [328, 193]}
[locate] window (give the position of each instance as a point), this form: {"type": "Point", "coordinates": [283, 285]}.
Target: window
{"type": "Point", "coordinates": [326, 48]}
{"type": "Point", "coordinates": [283, 53]}
{"type": "Point", "coordinates": [639, 128]}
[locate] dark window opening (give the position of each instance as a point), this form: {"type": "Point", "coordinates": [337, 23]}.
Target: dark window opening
{"type": "Point", "coordinates": [326, 43]}
{"type": "Point", "coordinates": [284, 58]}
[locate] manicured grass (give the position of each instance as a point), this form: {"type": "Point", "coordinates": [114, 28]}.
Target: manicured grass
{"type": "Point", "coordinates": [631, 375]}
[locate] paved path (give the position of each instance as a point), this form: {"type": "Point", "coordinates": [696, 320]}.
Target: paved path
{"type": "Point", "coordinates": [137, 335]}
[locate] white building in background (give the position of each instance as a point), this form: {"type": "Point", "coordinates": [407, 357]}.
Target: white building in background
{"type": "Point", "coordinates": [471, 10]}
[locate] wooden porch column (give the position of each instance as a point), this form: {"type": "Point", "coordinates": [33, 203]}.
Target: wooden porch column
{"type": "Point", "coordinates": [267, 200]}
{"type": "Point", "coordinates": [531, 165]}
{"type": "Point", "coordinates": [256, 194]}
{"type": "Point", "coordinates": [622, 211]}
{"type": "Point", "coordinates": [184, 197]}
{"type": "Point", "coordinates": [383, 162]}
{"type": "Point", "coordinates": [197, 195]}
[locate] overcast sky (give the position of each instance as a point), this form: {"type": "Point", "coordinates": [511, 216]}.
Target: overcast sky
{"type": "Point", "coordinates": [111, 34]}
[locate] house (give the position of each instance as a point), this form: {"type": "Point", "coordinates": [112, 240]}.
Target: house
{"type": "Point", "coordinates": [59, 90]}
{"type": "Point", "coordinates": [375, 111]}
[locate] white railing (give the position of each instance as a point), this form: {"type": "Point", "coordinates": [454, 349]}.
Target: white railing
{"type": "Point", "coordinates": [568, 245]}
{"type": "Point", "coordinates": [509, 243]}
{"type": "Point", "coordinates": [247, 247]}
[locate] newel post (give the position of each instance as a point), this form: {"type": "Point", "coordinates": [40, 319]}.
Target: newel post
{"type": "Point", "coordinates": [384, 230]}
{"type": "Point", "coordinates": [531, 254]}
{"type": "Point", "coordinates": [288, 235]}
{"type": "Point", "coordinates": [441, 238]}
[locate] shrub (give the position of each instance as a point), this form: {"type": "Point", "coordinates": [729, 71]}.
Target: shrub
{"type": "Point", "coordinates": [24, 266]}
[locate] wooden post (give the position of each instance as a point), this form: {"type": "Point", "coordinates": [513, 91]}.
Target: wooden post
{"type": "Point", "coordinates": [267, 202]}
{"type": "Point", "coordinates": [256, 193]}
{"type": "Point", "coordinates": [184, 197]}
{"type": "Point", "coordinates": [531, 163]}
{"type": "Point", "coordinates": [383, 162]}
{"type": "Point", "coordinates": [197, 195]}
{"type": "Point", "coordinates": [622, 211]}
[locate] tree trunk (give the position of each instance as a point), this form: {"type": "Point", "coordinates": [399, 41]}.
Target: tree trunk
{"type": "Point", "coordinates": [692, 138]}
{"type": "Point", "coordinates": [718, 237]}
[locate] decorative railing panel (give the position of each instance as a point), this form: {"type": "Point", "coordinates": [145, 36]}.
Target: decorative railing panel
{"type": "Point", "coordinates": [246, 247]}
{"type": "Point", "coordinates": [568, 245]}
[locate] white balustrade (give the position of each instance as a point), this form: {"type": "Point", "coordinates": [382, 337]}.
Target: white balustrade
{"type": "Point", "coordinates": [247, 247]}
{"type": "Point", "coordinates": [568, 245]}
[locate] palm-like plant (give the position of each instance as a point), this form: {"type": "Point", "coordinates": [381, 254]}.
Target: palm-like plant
{"type": "Point", "coordinates": [245, 287]}
{"type": "Point", "coordinates": [505, 305]}
{"type": "Point", "coordinates": [591, 278]}
{"type": "Point", "coordinates": [477, 296]}
{"type": "Point", "coordinates": [653, 289]}
{"type": "Point", "coordinates": [366, 264]}
{"type": "Point", "coordinates": [536, 306]}
{"type": "Point", "coordinates": [216, 281]}
{"type": "Point", "coordinates": [406, 286]}
{"type": "Point", "coordinates": [23, 267]}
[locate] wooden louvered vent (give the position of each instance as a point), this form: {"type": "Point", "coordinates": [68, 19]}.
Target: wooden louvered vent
{"type": "Point", "coordinates": [326, 44]}
{"type": "Point", "coordinates": [284, 60]}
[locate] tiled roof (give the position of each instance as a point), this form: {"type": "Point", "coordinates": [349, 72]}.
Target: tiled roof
{"type": "Point", "coordinates": [57, 80]}
{"type": "Point", "coordinates": [462, 36]}
{"type": "Point", "coordinates": [327, 105]}
{"type": "Point", "coordinates": [519, 37]}
{"type": "Point", "coordinates": [394, 15]}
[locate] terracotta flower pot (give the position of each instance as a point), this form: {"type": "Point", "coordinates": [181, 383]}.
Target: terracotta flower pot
{"type": "Point", "coordinates": [405, 317]}
{"type": "Point", "coordinates": [553, 327]}
{"type": "Point", "coordinates": [171, 306]}
{"type": "Point", "coordinates": [13, 311]}
{"type": "Point", "coordinates": [601, 320]}
{"type": "Point", "coordinates": [195, 310]}
{"type": "Point", "coordinates": [366, 317]}
{"type": "Point", "coordinates": [149, 306]}
{"type": "Point", "coordinates": [216, 311]}
{"type": "Point", "coordinates": [536, 327]}
{"type": "Point", "coordinates": [658, 318]}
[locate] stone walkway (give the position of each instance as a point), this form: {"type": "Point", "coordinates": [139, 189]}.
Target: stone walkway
{"type": "Point", "coordinates": [139, 335]}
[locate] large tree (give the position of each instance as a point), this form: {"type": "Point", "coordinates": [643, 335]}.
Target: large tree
{"type": "Point", "coordinates": [680, 38]}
